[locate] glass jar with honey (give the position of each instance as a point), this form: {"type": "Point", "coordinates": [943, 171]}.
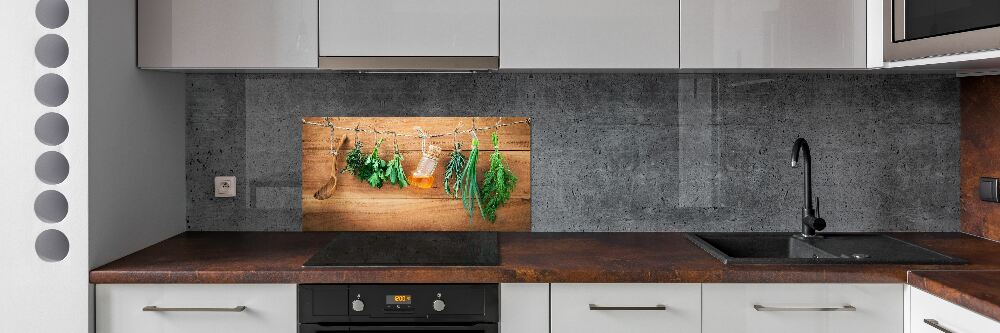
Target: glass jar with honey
{"type": "Point", "coordinates": [423, 175]}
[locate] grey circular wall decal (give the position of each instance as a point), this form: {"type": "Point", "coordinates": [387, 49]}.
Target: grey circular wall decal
{"type": "Point", "coordinates": [52, 245]}
{"type": "Point", "coordinates": [52, 167]}
{"type": "Point", "coordinates": [52, 13]}
{"type": "Point", "coordinates": [51, 51]}
{"type": "Point", "coordinates": [51, 129]}
{"type": "Point", "coordinates": [51, 206]}
{"type": "Point", "coordinates": [51, 90]}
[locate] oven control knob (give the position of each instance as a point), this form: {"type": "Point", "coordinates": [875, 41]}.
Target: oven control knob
{"type": "Point", "coordinates": [438, 305]}
{"type": "Point", "coordinates": [358, 305]}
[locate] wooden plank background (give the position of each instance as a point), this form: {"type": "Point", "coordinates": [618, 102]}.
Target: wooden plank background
{"type": "Point", "coordinates": [356, 206]}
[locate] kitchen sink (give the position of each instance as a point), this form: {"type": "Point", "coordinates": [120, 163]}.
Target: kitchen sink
{"type": "Point", "coordinates": [836, 248]}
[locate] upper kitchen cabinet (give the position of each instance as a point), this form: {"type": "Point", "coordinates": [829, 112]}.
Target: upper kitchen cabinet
{"type": "Point", "coordinates": [406, 34]}
{"type": "Point", "coordinates": [789, 34]}
{"type": "Point", "coordinates": [589, 34]}
{"type": "Point", "coordinates": [221, 34]}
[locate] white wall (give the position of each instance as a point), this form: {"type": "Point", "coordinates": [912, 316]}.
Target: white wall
{"type": "Point", "coordinates": [137, 187]}
{"type": "Point", "coordinates": [38, 295]}
{"type": "Point", "coordinates": [124, 187]}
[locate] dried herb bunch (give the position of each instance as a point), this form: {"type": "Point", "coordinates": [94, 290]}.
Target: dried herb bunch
{"type": "Point", "coordinates": [374, 169]}
{"type": "Point", "coordinates": [394, 170]}
{"type": "Point", "coordinates": [470, 186]}
{"type": "Point", "coordinates": [355, 160]}
{"type": "Point", "coordinates": [497, 183]}
{"type": "Point", "coordinates": [454, 170]}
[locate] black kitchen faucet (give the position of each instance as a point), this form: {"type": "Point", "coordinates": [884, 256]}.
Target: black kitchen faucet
{"type": "Point", "coordinates": [810, 221]}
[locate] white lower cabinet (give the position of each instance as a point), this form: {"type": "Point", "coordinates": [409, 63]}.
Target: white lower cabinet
{"type": "Point", "coordinates": [803, 308]}
{"type": "Point", "coordinates": [626, 307]}
{"type": "Point", "coordinates": [524, 308]}
{"type": "Point", "coordinates": [930, 314]}
{"type": "Point", "coordinates": [196, 308]}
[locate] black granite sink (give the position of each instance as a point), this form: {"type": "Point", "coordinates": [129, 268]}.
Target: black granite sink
{"type": "Point", "coordinates": [834, 248]}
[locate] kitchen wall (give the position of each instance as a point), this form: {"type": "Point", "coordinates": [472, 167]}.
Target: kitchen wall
{"type": "Point", "coordinates": [615, 152]}
{"type": "Point", "coordinates": [980, 150]}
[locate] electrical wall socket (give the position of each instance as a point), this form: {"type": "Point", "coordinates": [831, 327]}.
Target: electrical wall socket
{"type": "Point", "coordinates": [225, 187]}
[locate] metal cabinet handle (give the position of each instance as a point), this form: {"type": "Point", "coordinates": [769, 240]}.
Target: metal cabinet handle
{"type": "Point", "coordinates": [935, 324]}
{"type": "Point", "coordinates": [154, 308]}
{"type": "Point", "coordinates": [759, 307]}
{"type": "Point", "coordinates": [595, 307]}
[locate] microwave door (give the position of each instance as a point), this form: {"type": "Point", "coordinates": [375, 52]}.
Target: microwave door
{"type": "Point", "coordinates": [916, 19]}
{"type": "Point", "coordinates": [915, 29]}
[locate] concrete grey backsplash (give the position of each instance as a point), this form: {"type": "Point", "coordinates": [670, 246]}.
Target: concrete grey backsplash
{"type": "Point", "coordinates": [615, 152]}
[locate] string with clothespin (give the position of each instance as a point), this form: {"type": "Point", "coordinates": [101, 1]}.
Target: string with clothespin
{"type": "Point", "coordinates": [356, 126]}
{"type": "Point", "coordinates": [333, 138]}
{"type": "Point", "coordinates": [423, 139]}
{"type": "Point", "coordinates": [472, 132]}
{"type": "Point", "coordinates": [395, 144]}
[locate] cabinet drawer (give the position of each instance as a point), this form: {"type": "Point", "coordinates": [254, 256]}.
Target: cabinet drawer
{"type": "Point", "coordinates": [820, 308]}
{"type": "Point", "coordinates": [269, 308]}
{"type": "Point", "coordinates": [632, 308]}
{"type": "Point", "coordinates": [946, 315]}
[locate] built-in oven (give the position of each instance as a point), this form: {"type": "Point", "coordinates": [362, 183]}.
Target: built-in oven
{"type": "Point", "coordinates": [916, 29]}
{"type": "Point", "coordinates": [387, 308]}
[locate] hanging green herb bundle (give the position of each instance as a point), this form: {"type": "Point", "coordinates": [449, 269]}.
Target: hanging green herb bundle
{"type": "Point", "coordinates": [355, 160]}
{"type": "Point", "coordinates": [394, 171]}
{"type": "Point", "coordinates": [470, 187]}
{"type": "Point", "coordinates": [454, 169]}
{"type": "Point", "coordinates": [374, 169]}
{"type": "Point", "coordinates": [497, 183]}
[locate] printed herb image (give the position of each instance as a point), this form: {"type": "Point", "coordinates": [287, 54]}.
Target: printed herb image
{"type": "Point", "coordinates": [416, 186]}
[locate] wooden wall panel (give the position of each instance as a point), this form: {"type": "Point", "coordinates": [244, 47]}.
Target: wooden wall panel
{"type": "Point", "coordinates": [356, 206]}
{"type": "Point", "coordinates": [980, 151]}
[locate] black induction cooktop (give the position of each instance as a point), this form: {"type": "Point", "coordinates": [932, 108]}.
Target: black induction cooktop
{"type": "Point", "coordinates": [409, 249]}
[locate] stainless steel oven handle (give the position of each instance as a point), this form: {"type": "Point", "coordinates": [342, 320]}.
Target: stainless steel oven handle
{"type": "Point", "coordinates": [403, 327]}
{"type": "Point", "coordinates": [595, 307]}
{"type": "Point", "coordinates": [154, 308]}
{"type": "Point", "coordinates": [935, 324]}
{"type": "Point", "coordinates": [759, 307]}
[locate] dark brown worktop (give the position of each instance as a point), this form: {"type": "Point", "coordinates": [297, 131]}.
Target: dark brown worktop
{"type": "Point", "coordinates": [978, 291]}
{"type": "Point", "coordinates": [276, 257]}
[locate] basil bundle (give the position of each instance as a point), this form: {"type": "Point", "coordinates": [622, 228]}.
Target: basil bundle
{"type": "Point", "coordinates": [374, 169]}
{"type": "Point", "coordinates": [394, 171]}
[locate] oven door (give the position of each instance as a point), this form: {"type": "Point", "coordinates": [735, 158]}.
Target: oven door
{"type": "Point", "coordinates": [916, 29]}
{"type": "Point", "coordinates": [471, 328]}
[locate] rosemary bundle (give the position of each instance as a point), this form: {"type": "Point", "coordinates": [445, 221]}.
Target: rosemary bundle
{"type": "Point", "coordinates": [374, 169]}
{"type": "Point", "coordinates": [497, 183]}
{"type": "Point", "coordinates": [454, 169]}
{"type": "Point", "coordinates": [470, 187]}
{"type": "Point", "coordinates": [394, 171]}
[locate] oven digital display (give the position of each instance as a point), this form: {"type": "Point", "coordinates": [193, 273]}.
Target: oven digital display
{"type": "Point", "coordinates": [398, 299]}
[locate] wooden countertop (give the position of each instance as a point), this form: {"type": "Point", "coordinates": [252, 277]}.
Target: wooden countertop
{"type": "Point", "coordinates": [978, 291]}
{"type": "Point", "coordinates": [277, 257]}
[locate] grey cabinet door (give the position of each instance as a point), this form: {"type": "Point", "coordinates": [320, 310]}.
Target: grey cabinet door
{"type": "Point", "coordinates": [239, 34]}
